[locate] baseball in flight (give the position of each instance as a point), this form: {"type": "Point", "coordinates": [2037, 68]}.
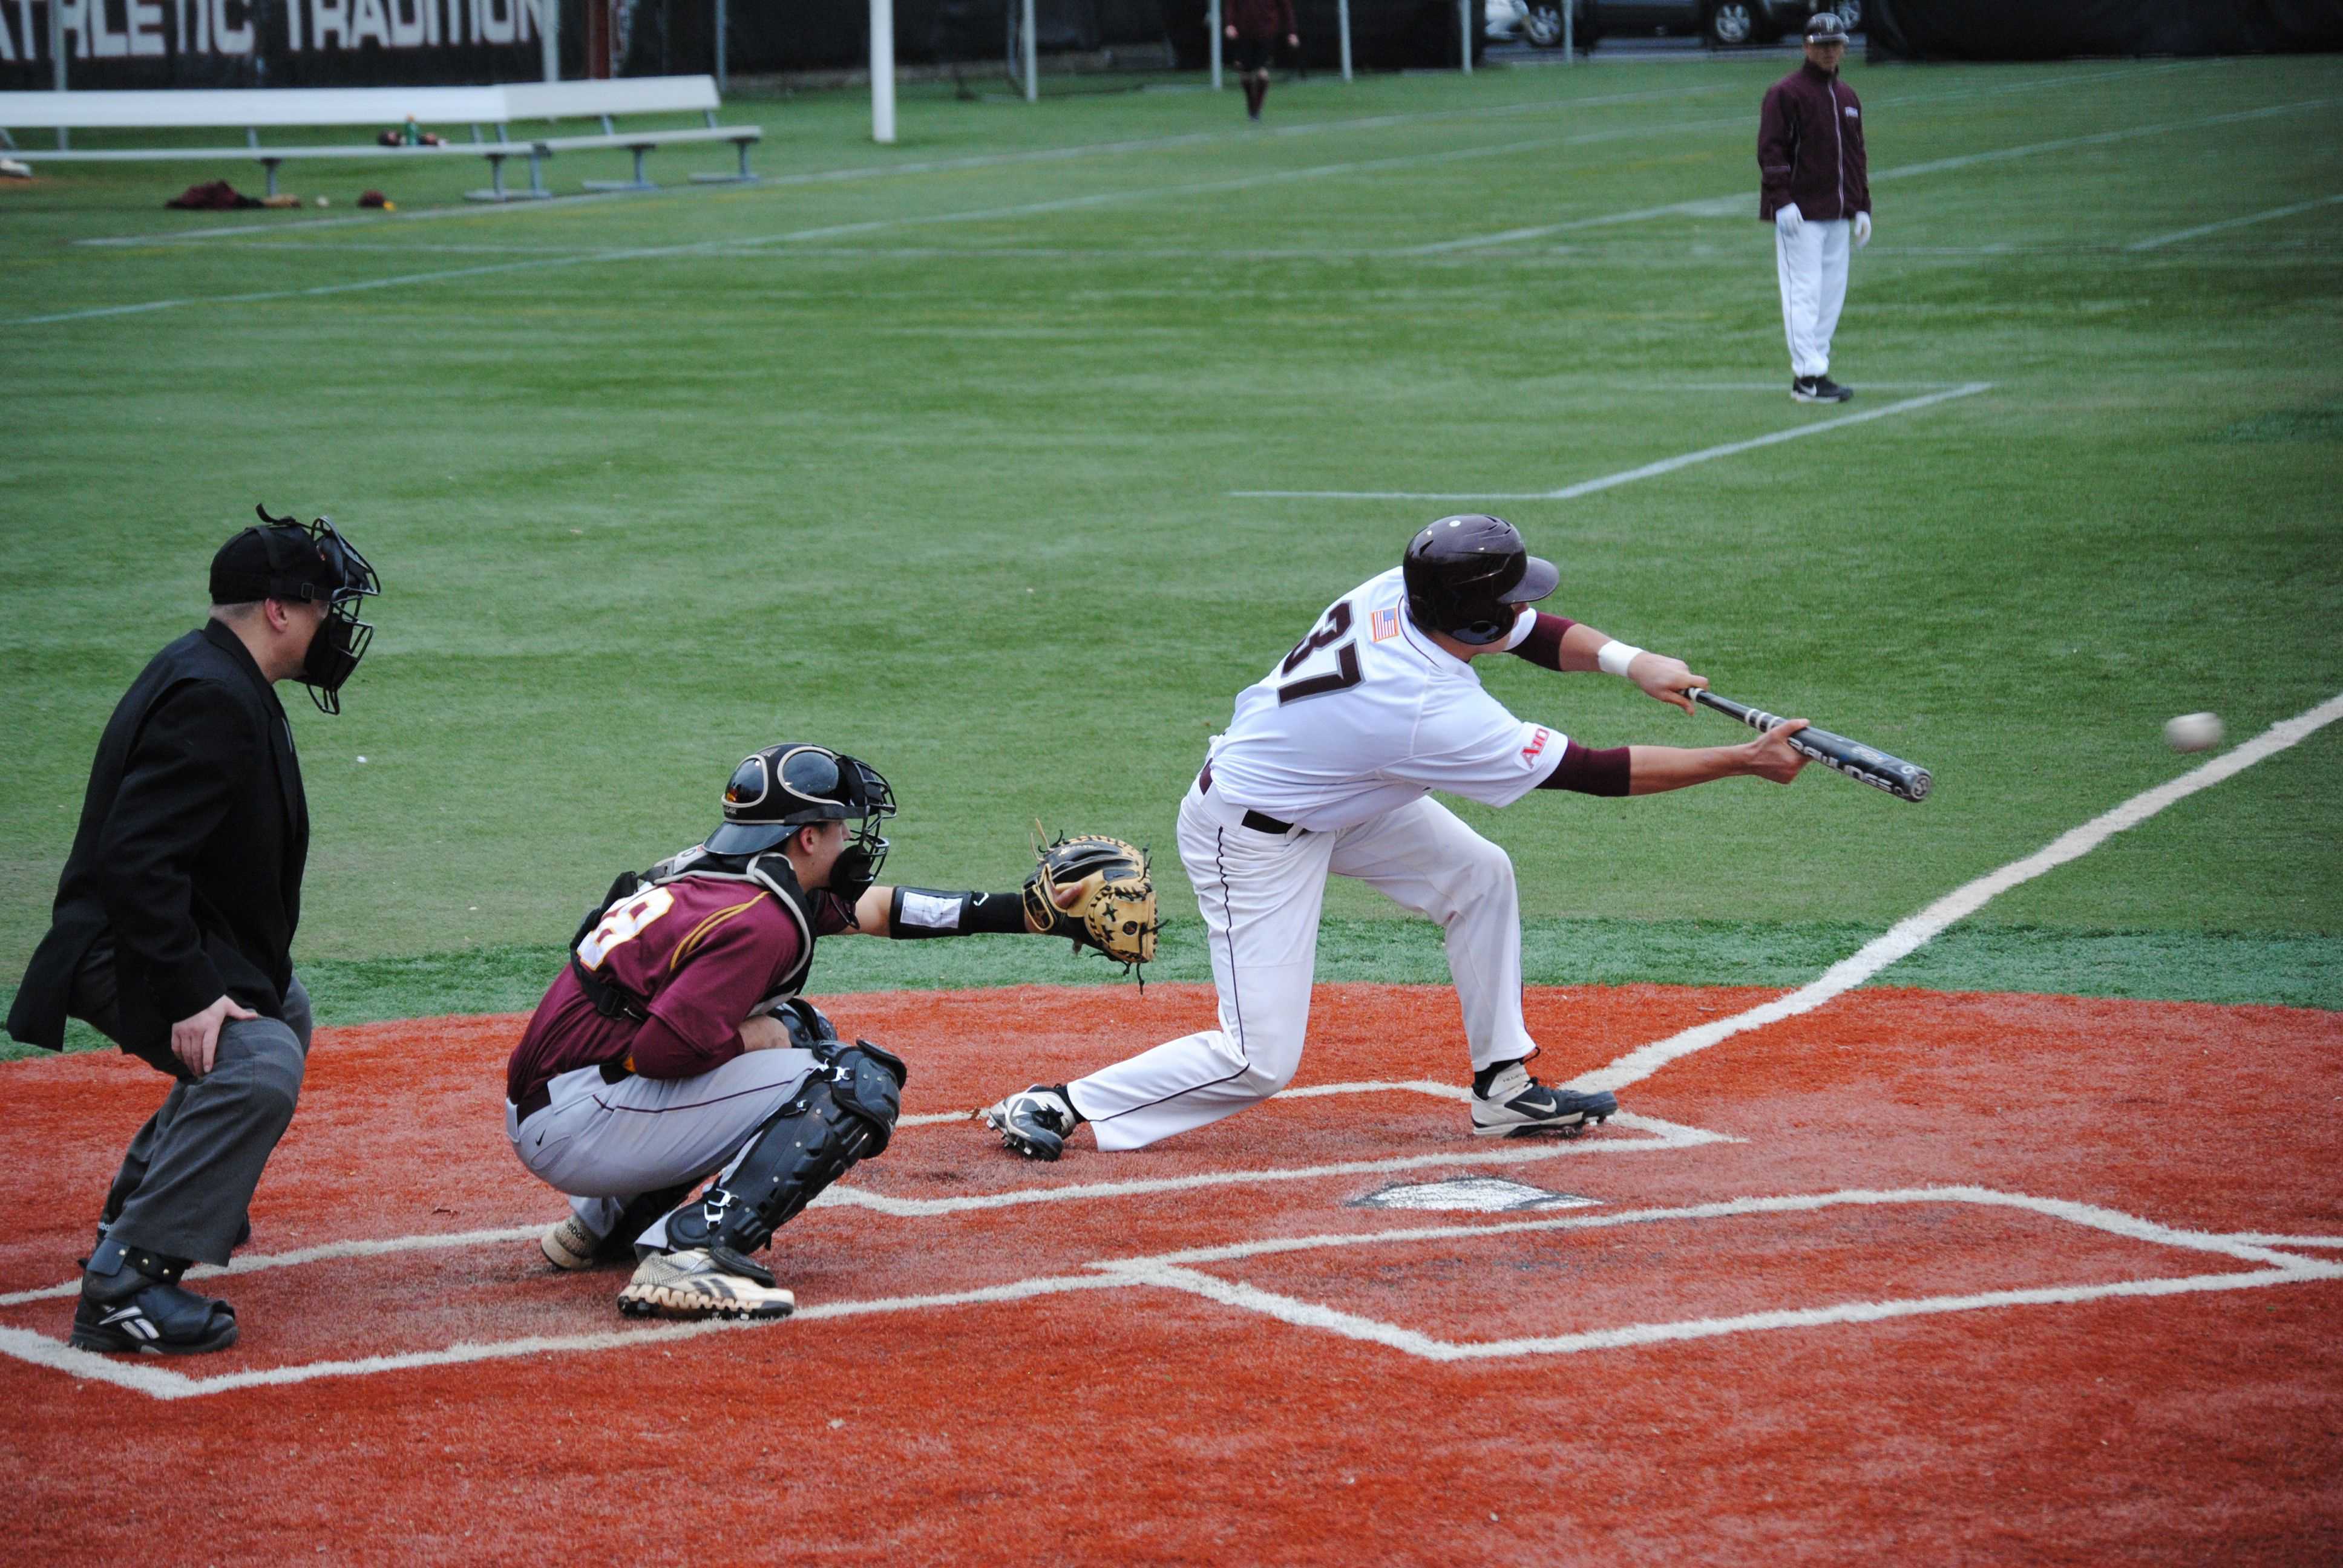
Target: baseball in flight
{"type": "Point", "coordinates": [2193, 731]}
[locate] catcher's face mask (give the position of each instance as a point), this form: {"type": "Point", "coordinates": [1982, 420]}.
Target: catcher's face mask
{"type": "Point", "coordinates": [774, 793]}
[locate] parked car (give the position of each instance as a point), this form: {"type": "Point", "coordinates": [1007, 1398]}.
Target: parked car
{"type": "Point", "coordinates": [1727, 24]}
{"type": "Point", "coordinates": [1538, 23]}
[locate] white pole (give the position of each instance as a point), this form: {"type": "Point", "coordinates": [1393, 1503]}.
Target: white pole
{"type": "Point", "coordinates": [722, 26]}
{"type": "Point", "coordinates": [57, 59]}
{"type": "Point", "coordinates": [1032, 58]}
{"type": "Point", "coordinates": [1211, 25]}
{"type": "Point", "coordinates": [1569, 41]}
{"type": "Point", "coordinates": [549, 22]}
{"type": "Point", "coordinates": [1343, 12]}
{"type": "Point", "coordinates": [1464, 30]}
{"type": "Point", "coordinates": [882, 72]}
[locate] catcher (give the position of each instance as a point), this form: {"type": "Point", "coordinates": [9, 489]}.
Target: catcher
{"type": "Point", "coordinates": [674, 1045]}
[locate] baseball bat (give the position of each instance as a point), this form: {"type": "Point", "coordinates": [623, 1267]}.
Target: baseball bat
{"type": "Point", "coordinates": [1863, 764]}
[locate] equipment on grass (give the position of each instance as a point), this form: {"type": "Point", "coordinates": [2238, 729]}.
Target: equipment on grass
{"type": "Point", "coordinates": [704, 1283]}
{"type": "Point", "coordinates": [1034, 1122]}
{"type": "Point", "coordinates": [1864, 765]}
{"type": "Point", "coordinates": [1116, 914]}
{"type": "Point", "coordinates": [1514, 1102]}
{"type": "Point", "coordinates": [1463, 573]}
{"type": "Point", "coordinates": [842, 1114]}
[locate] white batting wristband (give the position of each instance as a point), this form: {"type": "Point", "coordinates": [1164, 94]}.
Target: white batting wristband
{"type": "Point", "coordinates": [1613, 657]}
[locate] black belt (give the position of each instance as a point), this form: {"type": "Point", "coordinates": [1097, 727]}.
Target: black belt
{"type": "Point", "coordinates": [538, 1098]}
{"type": "Point", "coordinates": [1259, 821]}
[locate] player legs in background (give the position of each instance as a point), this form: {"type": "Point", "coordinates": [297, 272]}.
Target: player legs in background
{"type": "Point", "coordinates": [1811, 263]}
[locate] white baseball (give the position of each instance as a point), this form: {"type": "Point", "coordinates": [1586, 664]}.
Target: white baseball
{"type": "Point", "coordinates": [2193, 731]}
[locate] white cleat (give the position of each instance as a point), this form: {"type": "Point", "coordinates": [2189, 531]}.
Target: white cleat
{"type": "Point", "coordinates": [703, 1283]}
{"type": "Point", "coordinates": [570, 1246]}
{"type": "Point", "coordinates": [1517, 1102]}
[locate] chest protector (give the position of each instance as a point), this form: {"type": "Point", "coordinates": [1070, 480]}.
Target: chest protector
{"type": "Point", "coordinates": [771, 871]}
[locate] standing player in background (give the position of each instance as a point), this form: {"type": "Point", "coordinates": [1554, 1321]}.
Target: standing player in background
{"type": "Point", "coordinates": [1327, 767]}
{"type": "Point", "coordinates": [1815, 190]}
{"type": "Point", "coordinates": [1254, 26]}
{"type": "Point", "coordinates": [675, 1042]}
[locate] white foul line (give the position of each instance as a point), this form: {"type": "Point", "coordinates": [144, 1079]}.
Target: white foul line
{"type": "Point", "coordinates": [1173, 1272]}
{"type": "Point", "coordinates": [1648, 471]}
{"type": "Point", "coordinates": [1914, 931]}
{"type": "Point", "coordinates": [2162, 240]}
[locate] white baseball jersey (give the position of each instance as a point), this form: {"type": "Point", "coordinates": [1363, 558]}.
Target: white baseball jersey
{"type": "Point", "coordinates": [1366, 714]}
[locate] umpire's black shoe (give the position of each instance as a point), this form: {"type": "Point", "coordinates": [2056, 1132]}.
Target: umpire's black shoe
{"type": "Point", "coordinates": [131, 1300]}
{"type": "Point", "coordinates": [1506, 1099]}
{"type": "Point", "coordinates": [1819, 390]}
{"type": "Point", "coordinates": [1035, 1123]}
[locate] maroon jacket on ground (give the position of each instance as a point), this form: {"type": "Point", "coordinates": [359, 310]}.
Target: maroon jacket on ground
{"type": "Point", "coordinates": [1810, 148]}
{"type": "Point", "coordinates": [1259, 19]}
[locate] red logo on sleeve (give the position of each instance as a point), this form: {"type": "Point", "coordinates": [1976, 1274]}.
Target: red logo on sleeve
{"type": "Point", "coordinates": [1536, 744]}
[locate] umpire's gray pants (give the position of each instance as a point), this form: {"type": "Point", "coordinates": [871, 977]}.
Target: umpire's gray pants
{"type": "Point", "coordinates": [187, 1180]}
{"type": "Point", "coordinates": [605, 1143]}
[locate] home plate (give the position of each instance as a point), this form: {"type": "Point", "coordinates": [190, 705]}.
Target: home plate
{"type": "Point", "coordinates": [1481, 1194]}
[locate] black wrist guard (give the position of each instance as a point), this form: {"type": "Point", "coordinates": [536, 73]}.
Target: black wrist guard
{"type": "Point", "coordinates": [917, 912]}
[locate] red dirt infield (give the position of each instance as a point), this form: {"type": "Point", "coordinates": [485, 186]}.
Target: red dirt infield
{"type": "Point", "coordinates": [1917, 1277]}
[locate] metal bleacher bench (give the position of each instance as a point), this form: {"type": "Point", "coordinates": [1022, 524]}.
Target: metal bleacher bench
{"type": "Point", "coordinates": [380, 108]}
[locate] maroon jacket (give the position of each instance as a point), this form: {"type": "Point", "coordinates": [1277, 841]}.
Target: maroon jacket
{"type": "Point", "coordinates": [1810, 148]}
{"type": "Point", "coordinates": [1259, 19]}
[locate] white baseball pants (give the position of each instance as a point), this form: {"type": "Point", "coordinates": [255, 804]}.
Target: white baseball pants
{"type": "Point", "coordinates": [605, 1143]}
{"type": "Point", "coordinates": [1813, 269]}
{"type": "Point", "coordinates": [1261, 895]}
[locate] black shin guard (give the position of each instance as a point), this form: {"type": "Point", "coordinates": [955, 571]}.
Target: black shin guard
{"type": "Point", "coordinates": [843, 1114]}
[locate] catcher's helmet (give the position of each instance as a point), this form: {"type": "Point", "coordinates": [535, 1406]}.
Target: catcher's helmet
{"type": "Point", "coordinates": [1825, 28]}
{"type": "Point", "coordinates": [1462, 573]}
{"type": "Point", "coordinates": [305, 562]}
{"type": "Point", "coordinates": [774, 793]}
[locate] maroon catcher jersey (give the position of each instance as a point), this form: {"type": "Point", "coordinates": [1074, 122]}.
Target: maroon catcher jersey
{"type": "Point", "coordinates": [700, 951]}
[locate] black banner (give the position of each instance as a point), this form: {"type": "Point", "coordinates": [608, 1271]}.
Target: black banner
{"type": "Point", "coordinates": [137, 45]}
{"type": "Point", "coordinates": [2033, 30]}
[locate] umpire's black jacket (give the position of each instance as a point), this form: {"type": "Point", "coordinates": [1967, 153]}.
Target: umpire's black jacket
{"type": "Point", "coordinates": [193, 837]}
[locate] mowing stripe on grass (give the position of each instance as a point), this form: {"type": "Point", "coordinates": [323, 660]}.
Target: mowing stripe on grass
{"type": "Point", "coordinates": [1628, 477]}
{"type": "Point", "coordinates": [1914, 931]}
{"type": "Point", "coordinates": [2275, 213]}
{"type": "Point", "coordinates": [928, 165]}
{"type": "Point", "coordinates": [1727, 206]}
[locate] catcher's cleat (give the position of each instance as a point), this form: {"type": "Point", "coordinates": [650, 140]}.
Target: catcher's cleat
{"type": "Point", "coordinates": [1035, 1123]}
{"type": "Point", "coordinates": [131, 1300]}
{"type": "Point", "coordinates": [571, 1246]}
{"type": "Point", "coordinates": [1515, 1102]}
{"type": "Point", "coordinates": [703, 1283]}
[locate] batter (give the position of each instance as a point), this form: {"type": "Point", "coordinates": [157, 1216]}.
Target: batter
{"type": "Point", "coordinates": [1327, 767]}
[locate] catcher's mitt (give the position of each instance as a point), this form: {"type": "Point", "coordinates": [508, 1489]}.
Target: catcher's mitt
{"type": "Point", "coordinates": [1116, 913]}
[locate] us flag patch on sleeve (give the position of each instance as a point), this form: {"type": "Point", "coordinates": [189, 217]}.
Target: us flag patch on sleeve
{"type": "Point", "coordinates": [1385, 624]}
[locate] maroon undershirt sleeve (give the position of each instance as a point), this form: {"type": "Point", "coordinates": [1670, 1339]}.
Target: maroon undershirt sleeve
{"type": "Point", "coordinates": [1588, 771]}
{"type": "Point", "coordinates": [1543, 647]}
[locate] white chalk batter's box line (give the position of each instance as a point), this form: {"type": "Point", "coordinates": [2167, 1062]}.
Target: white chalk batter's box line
{"type": "Point", "coordinates": [1179, 1272]}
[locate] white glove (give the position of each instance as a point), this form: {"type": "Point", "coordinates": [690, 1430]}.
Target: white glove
{"type": "Point", "coordinates": [1862, 229]}
{"type": "Point", "coordinates": [1788, 220]}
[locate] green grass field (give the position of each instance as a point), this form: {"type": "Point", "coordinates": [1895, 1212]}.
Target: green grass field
{"type": "Point", "coordinates": [927, 452]}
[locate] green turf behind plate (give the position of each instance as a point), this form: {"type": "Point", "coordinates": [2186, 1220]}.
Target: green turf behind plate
{"type": "Point", "coordinates": [926, 452]}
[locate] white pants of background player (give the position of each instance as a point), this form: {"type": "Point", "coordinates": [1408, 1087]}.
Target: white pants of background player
{"type": "Point", "coordinates": [605, 1143]}
{"type": "Point", "coordinates": [1261, 894]}
{"type": "Point", "coordinates": [1813, 269]}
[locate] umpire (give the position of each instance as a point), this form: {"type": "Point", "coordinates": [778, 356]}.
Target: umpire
{"type": "Point", "coordinates": [172, 932]}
